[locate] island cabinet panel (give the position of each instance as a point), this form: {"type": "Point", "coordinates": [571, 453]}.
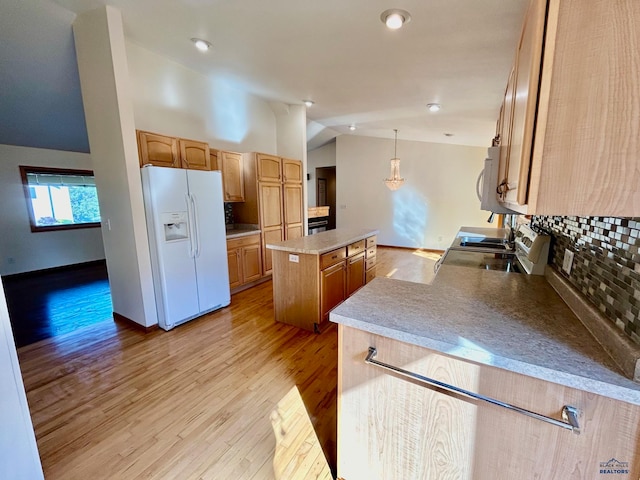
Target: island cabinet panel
{"type": "Point", "coordinates": [393, 428]}
{"type": "Point", "coordinates": [332, 289]}
{"type": "Point", "coordinates": [307, 286]}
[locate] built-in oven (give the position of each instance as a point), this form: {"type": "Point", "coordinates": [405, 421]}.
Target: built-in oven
{"type": "Point", "coordinates": [317, 225]}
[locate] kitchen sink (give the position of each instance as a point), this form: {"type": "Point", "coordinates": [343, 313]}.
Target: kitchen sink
{"type": "Point", "coordinates": [484, 242]}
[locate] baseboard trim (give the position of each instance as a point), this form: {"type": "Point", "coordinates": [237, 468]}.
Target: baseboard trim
{"type": "Point", "coordinates": [61, 268]}
{"type": "Point", "coordinates": [130, 323]}
{"type": "Point", "coordinates": [250, 285]}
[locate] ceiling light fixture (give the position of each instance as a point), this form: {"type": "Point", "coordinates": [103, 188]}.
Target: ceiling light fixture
{"type": "Point", "coordinates": [308, 103]}
{"type": "Point", "coordinates": [434, 107]}
{"type": "Point", "coordinates": [395, 18]}
{"type": "Point", "coordinates": [394, 181]}
{"type": "Point", "coordinates": [201, 45]}
{"type": "Point", "coordinates": [352, 127]}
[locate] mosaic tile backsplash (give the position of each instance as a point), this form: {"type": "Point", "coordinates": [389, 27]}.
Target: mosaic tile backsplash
{"type": "Point", "coordinates": [228, 214]}
{"type": "Point", "coordinates": [606, 265]}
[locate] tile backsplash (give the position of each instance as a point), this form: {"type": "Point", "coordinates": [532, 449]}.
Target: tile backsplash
{"type": "Point", "coordinates": [228, 214]}
{"type": "Point", "coordinates": [606, 265]}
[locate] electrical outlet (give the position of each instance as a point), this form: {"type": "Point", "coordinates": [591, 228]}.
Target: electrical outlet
{"type": "Point", "coordinates": [567, 262]}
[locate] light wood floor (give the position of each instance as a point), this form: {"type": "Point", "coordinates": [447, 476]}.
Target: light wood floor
{"type": "Point", "coordinates": [232, 395]}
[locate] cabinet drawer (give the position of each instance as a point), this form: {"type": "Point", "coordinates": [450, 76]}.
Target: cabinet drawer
{"type": "Point", "coordinates": [371, 252]}
{"type": "Point", "coordinates": [355, 248]}
{"type": "Point", "coordinates": [333, 257]}
{"type": "Point", "coordinates": [370, 274]}
{"type": "Point", "coordinates": [234, 243]}
{"type": "Point", "coordinates": [370, 263]}
{"type": "Point", "coordinates": [372, 241]}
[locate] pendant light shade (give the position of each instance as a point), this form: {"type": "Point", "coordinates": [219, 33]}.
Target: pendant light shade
{"type": "Point", "coordinates": [394, 181]}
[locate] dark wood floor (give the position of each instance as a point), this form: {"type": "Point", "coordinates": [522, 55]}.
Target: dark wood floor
{"type": "Point", "coordinates": [53, 303]}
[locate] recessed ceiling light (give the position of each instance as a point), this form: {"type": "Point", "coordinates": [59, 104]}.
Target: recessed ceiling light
{"type": "Point", "coordinates": [201, 45]}
{"type": "Point", "coordinates": [395, 18]}
{"type": "Point", "coordinates": [434, 107]}
{"type": "Point", "coordinates": [352, 127]}
{"type": "Point", "coordinates": [308, 103]}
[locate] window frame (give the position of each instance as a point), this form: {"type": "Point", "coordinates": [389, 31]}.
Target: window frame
{"type": "Point", "coordinates": [24, 170]}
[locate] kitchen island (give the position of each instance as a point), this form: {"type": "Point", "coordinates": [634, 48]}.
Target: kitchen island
{"type": "Point", "coordinates": [313, 274]}
{"type": "Point", "coordinates": [501, 335]}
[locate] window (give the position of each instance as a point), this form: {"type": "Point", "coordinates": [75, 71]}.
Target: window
{"type": "Point", "coordinates": [60, 199]}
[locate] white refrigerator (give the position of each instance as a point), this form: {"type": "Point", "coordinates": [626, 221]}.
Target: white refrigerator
{"type": "Point", "coordinates": [187, 239]}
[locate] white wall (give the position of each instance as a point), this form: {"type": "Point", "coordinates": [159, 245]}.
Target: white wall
{"type": "Point", "coordinates": [19, 458]}
{"type": "Point", "coordinates": [108, 106]}
{"type": "Point", "coordinates": [324, 156]}
{"type": "Point", "coordinates": [173, 100]}
{"type": "Point", "coordinates": [23, 250]}
{"type": "Point", "coordinates": [438, 195]}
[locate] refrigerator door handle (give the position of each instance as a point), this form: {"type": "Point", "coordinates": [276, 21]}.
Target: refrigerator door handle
{"type": "Point", "coordinates": [194, 207]}
{"type": "Point", "coordinates": [190, 219]}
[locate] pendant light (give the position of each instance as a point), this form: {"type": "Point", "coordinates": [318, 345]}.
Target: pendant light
{"type": "Point", "coordinates": [394, 182]}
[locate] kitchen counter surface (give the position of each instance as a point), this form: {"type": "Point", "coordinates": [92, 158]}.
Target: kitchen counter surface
{"type": "Point", "coordinates": [511, 321]}
{"type": "Point", "coordinates": [243, 231]}
{"type": "Point", "coordinates": [324, 241]}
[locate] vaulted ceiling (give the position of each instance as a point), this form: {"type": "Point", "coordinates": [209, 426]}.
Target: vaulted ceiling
{"type": "Point", "coordinates": [337, 53]}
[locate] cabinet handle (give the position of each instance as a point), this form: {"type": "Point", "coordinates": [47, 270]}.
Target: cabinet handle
{"type": "Point", "coordinates": [569, 414]}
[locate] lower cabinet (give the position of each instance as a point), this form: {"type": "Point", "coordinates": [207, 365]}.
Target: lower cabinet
{"type": "Point", "coordinates": [244, 256]}
{"type": "Point", "coordinates": [355, 273]}
{"type": "Point", "coordinates": [332, 288]}
{"type": "Point", "coordinates": [392, 428]}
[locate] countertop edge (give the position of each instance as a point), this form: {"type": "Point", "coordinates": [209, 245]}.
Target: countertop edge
{"type": "Point", "coordinates": [242, 234]}
{"type": "Point", "coordinates": [542, 373]}
{"type": "Point", "coordinates": [618, 346]}
{"type": "Point", "coordinates": [320, 251]}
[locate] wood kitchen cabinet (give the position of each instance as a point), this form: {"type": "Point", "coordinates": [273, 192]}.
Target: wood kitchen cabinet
{"type": "Point", "coordinates": [371, 246]}
{"type": "Point", "coordinates": [307, 286]}
{"type": "Point", "coordinates": [393, 428]}
{"type": "Point", "coordinates": [244, 257]}
{"type": "Point", "coordinates": [194, 155]}
{"type": "Point", "coordinates": [574, 141]}
{"type": "Point", "coordinates": [276, 205]}
{"type": "Point", "coordinates": [231, 165]}
{"type": "Point", "coordinates": [158, 150]}
{"type": "Point", "coordinates": [166, 151]}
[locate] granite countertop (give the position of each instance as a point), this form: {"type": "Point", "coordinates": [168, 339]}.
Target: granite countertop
{"type": "Point", "coordinates": [242, 230]}
{"type": "Point", "coordinates": [510, 321]}
{"type": "Point", "coordinates": [323, 242]}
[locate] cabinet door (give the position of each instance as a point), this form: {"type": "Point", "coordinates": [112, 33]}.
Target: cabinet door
{"type": "Point", "coordinates": [271, 235]}
{"type": "Point", "coordinates": [291, 171]}
{"type": "Point", "coordinates": [332, 288]}
{"type": "Point", "coordinates": [525, 100]}
{"type": "Point", "coordinates": [194, 155]}
{"type": "Point", "coordinates": [213, 158]}
{"type": "Point", "coordinates": [292, 203]}
{"type": "Point", "coordinates": [158, 150]}
{"type": "Point", "coordinates": [269, 168]}
{"type": "Point", "coordinates": [355, 273]}
{"type": "Point", "coordinates": [389, 427]}
{"type": "Point", "coordinates": [252, 262]}
{"type": "Point", "coordinates": [232, 176]}
{"type": "Point", "coordinates": [505, 135]}
{"type": "Point", "coordinates": [270, 199]}
{"type": "Point", "coordinates": [294, 230]}
{"type": "Point", "coordinates": [235, 268]}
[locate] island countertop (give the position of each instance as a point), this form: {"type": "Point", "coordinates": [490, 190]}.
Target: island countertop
{"type": "Point", "coordinates": [323, 242]}
{"type": "Point", "coordinates": [514, 322]}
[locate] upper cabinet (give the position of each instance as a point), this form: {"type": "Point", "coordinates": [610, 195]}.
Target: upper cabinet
{"type": "Point", "coordinates": [291, 171]}
{"type": "Point", "coordinates": [269, 168]}
{"type": "Point", "coordinates": [194, 155]}
{"type": "Point", "coordinates": [165, 151]}
{"type": "Point", "coordinates": [573, 142]}
{"type": "Point", "coordinates": [232, 175]}
{"type": "Point", "coordinates": [158, 150]}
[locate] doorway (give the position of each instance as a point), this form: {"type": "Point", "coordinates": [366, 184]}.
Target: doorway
{"type": "Point", "coordinates": [326, 192]}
